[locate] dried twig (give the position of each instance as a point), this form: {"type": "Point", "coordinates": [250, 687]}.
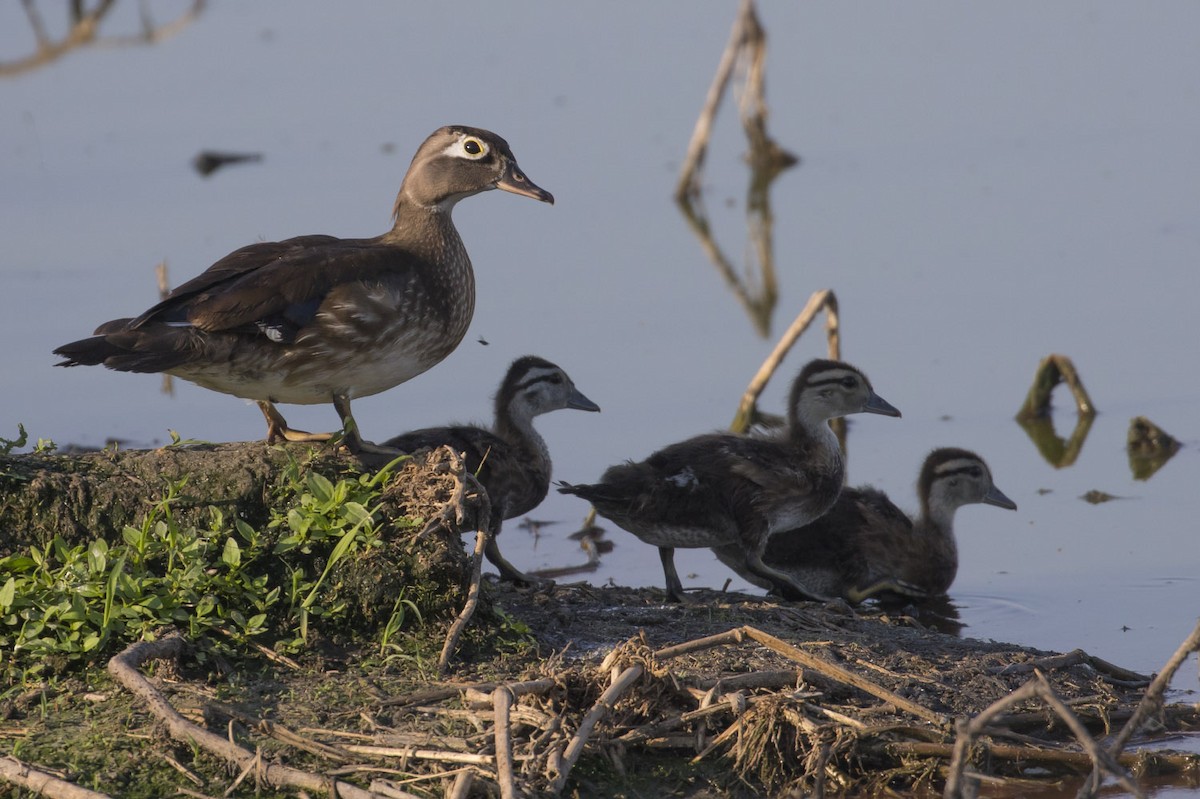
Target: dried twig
{"type": "Point", "coordinates": [747, 40]}
{"type": "Point", "coordinates": [84, 30]}
{"type": "Point", "coordinates": [693, 161]}
{"type": "Point", "coordinates": [1151, 703]}
{"type": "Point", "coordinates": [124, 669]}
{"type": "Point", "coordinates": [843, 676]}
{"type": "Point", "coordinates": [1073, 658]}
{"type": "Point", "coordinates": [40, 782]}
{"type": "Point", "coordinates": [468, 488]}
{"type": "Point", "coordinates": [820, 300]}
{"type": "Point", "coordinates": [958, 784]}
{"type": "Point", "coordinates": [603, 706]}
{"type": "Point", "coordinates": [461, 788]}
{"type": "Point", "coordinates": [502, 699]}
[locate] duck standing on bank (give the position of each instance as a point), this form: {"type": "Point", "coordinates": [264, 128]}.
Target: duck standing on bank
{"type": "Point", "coordinates": [866, 546]}
{"type": "Point", "coordinates": [318, 319]}
{"type": "Point", "coordinates": [511, 461]}
{"type": "Point", "coordinates": [724, 489]}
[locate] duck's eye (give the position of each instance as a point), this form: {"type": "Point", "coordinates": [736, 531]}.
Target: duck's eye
{"type": "Point", "coordinates": [975, 471]}
{"type": "Point", "coordinates": [473, 146]}
{"type": "Point", "coordinates": [849, 382]}
{"type": "Point", "coordinates": [555, 379]}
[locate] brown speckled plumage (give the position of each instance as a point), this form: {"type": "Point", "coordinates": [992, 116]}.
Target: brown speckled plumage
{"type": "Point", "coordinates": [510, 460]}
{"type": "Point", "coordinates": [319, 319]}
{"type": "Point", "coordinates": [723, 489]}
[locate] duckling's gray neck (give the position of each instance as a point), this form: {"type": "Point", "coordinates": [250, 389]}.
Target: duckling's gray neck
{"type": "Point", "coordinates": [514, 424]}
{"type": "Point", "coordinates": [807, 426]}
{"type": "Point", "coordinates": [936, 520]}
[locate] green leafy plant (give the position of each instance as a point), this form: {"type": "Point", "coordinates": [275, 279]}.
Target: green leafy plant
{"type": "Point", "coordinates": [7, 445]}
{"type": "Point", "coordinates": [63, 605]}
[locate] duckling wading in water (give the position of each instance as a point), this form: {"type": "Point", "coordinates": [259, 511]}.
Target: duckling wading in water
{"type": "Point", "coordinates": [865, 546]}
{"type": "Point", "coordinates": [724, 489]}
{"type": "Point", "coordinates": [318, 319]}
{"type": "Point", "coordinates": [510, 460]}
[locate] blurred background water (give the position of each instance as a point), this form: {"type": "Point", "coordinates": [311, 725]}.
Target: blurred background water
{"type": "Point", "coordinates": [981, 185]}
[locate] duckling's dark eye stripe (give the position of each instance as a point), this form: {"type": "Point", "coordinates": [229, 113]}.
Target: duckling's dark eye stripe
{"type": "Point", "coordinates": [942, 472]}
{"type": "Point", "coordinates": [542, 378]}
{"type": "Point", "coordinates": [828, 381]}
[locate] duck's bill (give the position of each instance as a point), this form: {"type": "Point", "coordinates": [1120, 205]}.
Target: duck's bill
{"type": "Point", "coordinates": [996, 497]}
{"type": "Point", "coordinates": [514, 180]}
{"type": "Point", "coordinates": [877, 404]}
{"type": "Point", "coordinates": [579, 402]}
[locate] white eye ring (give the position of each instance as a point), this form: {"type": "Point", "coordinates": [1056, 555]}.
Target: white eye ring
{"type": "Point", "coordinates": [462, 148]}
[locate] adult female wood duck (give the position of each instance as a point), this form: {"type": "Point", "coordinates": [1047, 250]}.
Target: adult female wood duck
{"type": "Point", "coordinates": [726, 489]}
{"type": "Point", "coordinates": [510, 460]}
{"type": "Point", "coordinates": [318, 319]}
{"type": "Point", "coordinates": [865, 546]}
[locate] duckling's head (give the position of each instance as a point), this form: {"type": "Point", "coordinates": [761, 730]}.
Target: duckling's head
{"type": "Point", "coordinates": [534, 386]}
{"type": "Point", "coordinates": [954, 477]}
{"type": "Point", "coordinates": [457, 161]}
{"type": "Point", "coordinates": [827, 389]}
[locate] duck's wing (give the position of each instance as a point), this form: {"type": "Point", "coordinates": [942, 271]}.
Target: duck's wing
{"type": "Point", "coordinates": [276, 287]}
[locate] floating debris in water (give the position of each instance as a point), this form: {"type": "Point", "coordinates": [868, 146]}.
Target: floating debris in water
{"type": "Point", "coordinates": [1096, 496]}
{"type": "Point", "coordinates": [208, 161]}
{"type": "Point", "coordinates": [1149, 447]}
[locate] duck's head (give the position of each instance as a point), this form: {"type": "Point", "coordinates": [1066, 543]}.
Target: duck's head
{"type": "Point", "coordinates": [954, 477]}
{"type": "Point", "coordinates": [457, 161]}
{"type": "Point", "coordinates": [827, 389]}
{"type": "Point", "coordinates": [534, 386]}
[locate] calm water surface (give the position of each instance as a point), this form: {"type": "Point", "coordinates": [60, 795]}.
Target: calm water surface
{"type": "Point", "coordinates": [981, 186]}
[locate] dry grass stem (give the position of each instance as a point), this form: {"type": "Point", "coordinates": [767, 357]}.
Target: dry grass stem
{"type": "Point", "coordinates": [1151, 703]}
{"type": "Point", "coordinates": [468, 489]}
{"type": "Point", "coordinates": [819, 300]}
{"type": "Point", "coordinates": [843, 676]}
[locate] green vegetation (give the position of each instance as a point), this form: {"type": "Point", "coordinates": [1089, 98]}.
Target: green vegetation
{"type": "Point", "coordinates": [64, 607]}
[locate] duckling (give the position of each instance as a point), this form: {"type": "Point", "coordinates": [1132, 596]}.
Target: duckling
{"type": "Point", "coordinates": [318, 319]}
{"type": "Point", "coordinates": [865, 546]}
{"type": "Point", "coordinates": [510, 460]}
{"type": "Point", "coordinates": [723, 489]}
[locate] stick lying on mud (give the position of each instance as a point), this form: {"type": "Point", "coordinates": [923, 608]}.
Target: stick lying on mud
{"type": "Point", "coordinates": [124, 669]}
{"type": "Point", "coordinates": [958, 785]}
{"type": "Point", "coordinates": [42, 783]}
{"type": "Point", "coordinates": [540, 733]}
{"type": "Point", "coordinates": [1151, 702]}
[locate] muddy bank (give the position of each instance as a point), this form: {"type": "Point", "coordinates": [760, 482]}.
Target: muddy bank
{"type": "Point", "coordinates": [568, 690]}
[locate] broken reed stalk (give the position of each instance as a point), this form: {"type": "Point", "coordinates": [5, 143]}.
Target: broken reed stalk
{"type": "Point", "coordinates": [25, 776]}
{"type": "Point", "coordinates": [164, 290]}
{"type": "Point", "coordinates": [959, 785]}
{"type": "Point", "coordinates": [124, 668]}
{"type": "Point", "coordinates": [1151, 702]}
{"type": "Point", "coordinates": [818, 301]}
{"type": "Point", "coordinates": [843, 676]}
{"type": "Point", "coordinates": [461, 788]}
{"type": "Point", "coordinates": [502, 700]}
{"type": "Point", "coordinates": [603, 707]}
{"type": "Point", "coordinates": [1074, 658]}
{"type": "Point", "coordinates": [693, 161]}
{"type": "Point", "coordinates": [483, 525]}
{"type": "Point", "coordinates": [1052, 370]}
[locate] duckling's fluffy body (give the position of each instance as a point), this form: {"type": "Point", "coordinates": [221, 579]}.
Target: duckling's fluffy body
{"type": "Point", "coordinates": [866, 546]}
{"type": "Point", "coordinates": [723, 489]}
{"type": "Point", "coordinates": [511, 460]}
